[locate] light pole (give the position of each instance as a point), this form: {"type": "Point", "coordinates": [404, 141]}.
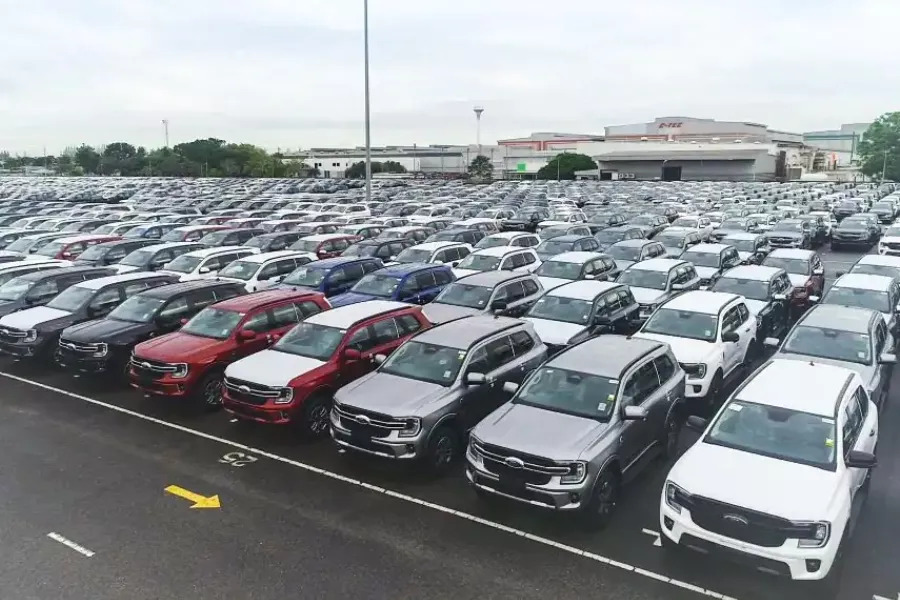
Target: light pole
{"type": "Point", "coordinates": [165, 123]}
{"type": "Point", "coordinates": [478, 110]}
{"type": "Point", "coordinates": [368, 131]}
{"type": "Point", "coordinates": [884, 166]}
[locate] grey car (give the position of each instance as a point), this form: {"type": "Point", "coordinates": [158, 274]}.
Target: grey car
{"type": "Point", "coordinates": [482, 293]}
{"type": "Point", "coordinates": [586, 421]}
{"type": "Point", "coordinates": [849, 337]}
{"type": "Point", "coordinates": [654, 281]}
{"type": "Point", "coordinates": [422, 401]}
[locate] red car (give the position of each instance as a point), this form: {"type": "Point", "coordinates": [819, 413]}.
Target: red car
{"type": "Point", "coordinates": [190, 362]}
{"type": "Point", "coordinates": [804, 267]}
{"type": "Point", "coordinates": [295, 380]}
{"type": "Point", "coordinates": [325, 245]}
{"type": "Point", "coordinates": [70, 248]}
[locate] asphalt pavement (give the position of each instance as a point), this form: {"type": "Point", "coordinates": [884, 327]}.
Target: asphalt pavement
{"type": "Point", "coordinates": [98, 485]}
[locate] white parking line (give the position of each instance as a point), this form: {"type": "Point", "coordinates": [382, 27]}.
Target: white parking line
{"type": "Point", "coordinates": [67, 542]}
{"type": "Point", "coordinates": [368, 486]}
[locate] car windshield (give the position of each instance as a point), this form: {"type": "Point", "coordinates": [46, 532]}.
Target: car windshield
{"type": "Point", "coordinates": [560, 270]}
{"type": "Point", "coordinates": [480, 262]}
{"type": "Point", "coordinates": [685, 222]}
{"type": "Point", "coordinates": [788, 226]}
{"type": "Point", "coordinates": [173, 236]}
{"type": "Point", "coordinates": [52, 249]}
{"type": "Point", "coordinates": [775, 432]}
{"type": "Point", "coordinates": [492, 242]}
{"type": "Point", "coordinates": [846, 346]}
{"type": "Point", "coordinates": [72, 299]}
{"type": "Point", "coordinates": [138, 258]}
{"type": "Point", "coordinates": [741, 245]}
{"type": "Point", "coordinates": [670, 240]}
{"type": "Point", "coordinates": [258, 242]}
{"type": "Point", "coordinates": [893, 231]}
{"type": "Point", "coordinates": [855, 224]}
{"type": "Point", "coordinates": [461, 294]}
{"type": "Point", "coordinates": [15, 288]}
{"type": "Point", "coordinates": [304, 277]}
{"type": "Point", "coordinates": [609, 237]}
{"type": "Point", "coordinates": [137, 309]}
{"type": "Point", "coordinates": [213, 323]}
{"type": "Point", "coordinates": [644, 220]}
{"type": "Point", "coordinates": [414, 255]}
{"type": "Point", "coordinates": [240, 269]}
{"type": "Point", "coordinates": [560, 308]}
{"type": "Point", "coordinates": [553, 247]}
{"type": "Point", "coordinates": [21, 245]}
{"type": "Point", "coordinates": [425, 362]}
{"type": "Point", "coordinates": [796, 266]}
{"type": "Point", "coordinates": [702, 259]}
{"type": "Point", "coordinates": [570, 392]}
{"type": "Point", "coordinates": [361, 250]}
{"type": "Point", "coordinates": [733, 224]}
{"type": "Point", "coordinates": [847, 296]}
{"type": "Point", "coordinates": [214, 238]}
{"type": "Point", "coordinates": [881, 270]}
{"type": "Point", "coordinates": [376, 284]}
{"type": "Point", "coordinates": [311, 340]}
{"type": "Point", "coordinates": [554, 231]}
{"type": "Point", "coordinates": [632, 253]}
{"type": "Point", "coordinates": [95, 252]}
{"type": "Point", "coordinates": [184, 264]}
{"type": "Point", "coordinates": [883, 205]}
{"type": "Point", "coordinates": [107, 229]}
{"type": "Point", "coordinates": [748, 288]}
{"type": "Point", "coordinates": [526, 215]}
{"type": "Point", "coordinates": [644, 278]}
{"type": "Point", "coordinates": [137, 232]}
{"type": "Point", "coordinates": [306, 246]}
{"type": "Point", "coordinates": [683, 324]}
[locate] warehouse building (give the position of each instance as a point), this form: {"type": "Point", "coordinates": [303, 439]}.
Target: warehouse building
{"type": "Point", "coordinates": [838, 145]}
{"type": "Point", "coordinates": [691, 129]}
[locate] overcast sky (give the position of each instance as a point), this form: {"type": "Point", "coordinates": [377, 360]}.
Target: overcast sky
{"type": "Point", "coordinates": [289, 73]}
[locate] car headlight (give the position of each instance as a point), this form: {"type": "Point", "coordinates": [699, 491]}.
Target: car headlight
{"type": "Point", "coordinates": [473, 455]}
{"type": "Point", "coordinates": [695, 371]}
{"type": "Point", "coordinates": [411, 427]}
{"type": "Point", "coordinates": [181, 371]}
{"type": "Point", "coordinates": [102, 350]}
{"type": "Point", "coordinates": [285, 396]}
{"type": "Point", "coordinates": [818, 534]}
{"type": "Point", "coordinates": [675, 497]}
{"type": "Point", "coordinates": [577, 473]}
{"type": "Point", "coordinates": [30, 336]}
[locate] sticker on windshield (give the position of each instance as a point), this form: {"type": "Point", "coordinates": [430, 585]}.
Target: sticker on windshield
{"type": "Point", "coordinates": [707, 333]}
{"type": "Point", "coordinates": [613, 382]}
{"type": "Point", "coordinates": [735, 407]}
{"type": "Point", "coordinates": [461, 355]}
{"type": "Point", "coordinates": [861, 355]}
{"type": "Point", "coordinates": [829, 442]}
{"type": "Point", "coordinates": [447, 374]}
{"type": "Point", "coordinates": [480, 302]}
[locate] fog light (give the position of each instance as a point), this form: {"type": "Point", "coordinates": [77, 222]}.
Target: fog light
{"type": "Point", "coordinates": [410, 449]}
{"type": "Point", "coordinates": [813, 565]}
{"type": "Point", "coordinates": [574, 498]}
{"type": "Point", "coordinates": [669, 523]}
{"type": "Point", "coordinates": [697, 388]}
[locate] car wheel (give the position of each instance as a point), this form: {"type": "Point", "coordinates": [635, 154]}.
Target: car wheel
{"type": "Point", "coordinates": [210, 391]}
{"type": "Point", "coordinates": [316, 417]}
{"type": "Point", "coordinates": [442, 450]}
{"type": "Point", "coordinates": [714, 391]}
{"type": "Point", "coordinates": [604, 500]}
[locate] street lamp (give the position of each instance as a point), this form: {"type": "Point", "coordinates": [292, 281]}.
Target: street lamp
{"type": "Point", "coordinates": [368, 131]}
{"type": "Point", "coordinates": [884, 166]}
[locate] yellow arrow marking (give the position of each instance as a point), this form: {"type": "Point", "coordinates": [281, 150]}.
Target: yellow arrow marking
{"type": "Point", "coordinates": [198, 500]}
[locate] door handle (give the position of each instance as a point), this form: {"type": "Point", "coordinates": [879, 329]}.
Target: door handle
{"type": "Point", "coordinates": [872, 433]}
{"type": "Point", "coordinates": [747, 329]}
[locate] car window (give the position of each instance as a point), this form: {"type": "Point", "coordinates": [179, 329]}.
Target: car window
{"type": "Point", "coordinates": [258, 322]}
{"type": "Point", "coordinates": [134, 288]}
{"type": "Point", "coordinates": [522, 343]}
{"type": "Point", "coordinates": [514, 291]}
{"type": "Point", "coordinates": [269, 271]}
{"type": "Point", "coordinates": [852, 423]}
{"type": "Point", "coordinates": [307, 308]}
{"type": "Point", "coordinates": [665, 367]}
{"type": "Point", "coordinates": [107, 297]}
{"type": "Point", "coordinates": [640, 385]}
{"type": "Point", "coordinates": [175, 309]}
{"type": "Point", "coordinates": [361, 340]}
{"type": "Point", "coordinates": [731, 320]}
{"type": "Point", "coordinates": [385, 331]}
{"type": "Point", "coordinates": [283, 316]}
{"type": "Point", "coordinates": [44, 289]}
{"type": "Point", "coordinates": [442, 276]}
{"type": "Point", "coordinates": [425, 280]}
{"type": "Point", "coordinates": [408, 324]}
{"type": "Point", "coordinates": [499, 353]}
{"type": "Point", "coordinates": [531, 287]}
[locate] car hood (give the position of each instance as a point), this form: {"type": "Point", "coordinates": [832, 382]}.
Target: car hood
{"type": "Point", "coordinates": [177, 346]}
{"type": "Point", "coordinates": [624, 264]}
{"type": "Point", "coordinates": [794, 235]}
{"type": "Point", "coordinates": [673, 251]}
{"type": "Point", "coordinates": [866, 372]}
{"type": "Point", "coordinates": [391, 395]}
{"type": "Point", "coordinates": [745, 255]}
{"type": "Point", "coordinates": [798, 280]}
{"type": "Point", "coordinates": [441, 313]}
{"type": "Point", "coordinates": [552, 282]}
{"type": "Point", "coordinates": [890, 239]}
{"type": "Point", "coordinates": [180, 276]}
{"type": "Point", "coordinates": [647, 295]}
{"type": "Point", "coordinates": [463, 272]}
{"type": "Point", "coordinates": [840, 230]}
{"type": "Point", "coordinates": [32, 317]}
{"type": "Point", "coordinates": [555, 332]}
{"type": "Point", "coordinates": [272, 368]}
{"type": "Point", "coordinates": [122, 269]}
{"type": "Point", "coordinates": [755, 305]}
{"type": "Point", "coordinates": [104, 330]}
{"type": "Point", "coordinates": [706, 272]}
{"type": "Point", "coordinates": [350, 298]}
{"type": "Point", "coordinates": [539, 432]}
{"type": "Point", "coordinates": [685, 350]}
{"type": "Point", "coordinates": [747, 480]}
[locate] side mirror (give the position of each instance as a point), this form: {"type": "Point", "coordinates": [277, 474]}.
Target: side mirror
{"type": "Point", "coordinates": [857, 459]}
{"type": "Point", "coordinates": [510, 387]}
{"type": "Point", "coordinates": [772, 342]}
{"type": "Point", "coordinates": [602, 320]}
{"type": "Point", "coordinates": [887, 358]}
{"type": "Point", "coordinates": [499, 305]}
{"type": "Point", "coordinates": [203, 270]}
{"type": "Point", "coordinates": [677, 287]}
{"type": "Point", "coordinates": [379, 358]}
{"type": "Point", "coordinates": [814, 298]}
{"type": "Point", "coordinates": [695, 423]}
{"type": "Point", "coordinates": [352, 354]}
{"type": "Point", "coordinates": [730, 336]}
{"type": "Point", "coordinates": [245, 335]}
{"type": "Point", "coordinates": [475, 378]}
{"type": "Point", "coordinates": [634, 413]}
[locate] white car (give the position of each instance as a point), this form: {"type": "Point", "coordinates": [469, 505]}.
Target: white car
{"type": "Point", "coordinates": [712, 335]}
{"type": "Point", "coordinates": [206, 263]}
{"type": "Point", "coordinates": [775, 477]}
{"type": "Point", "coordinates": [509, 238]}
{"type": "Point", "coordinates": [890, 241]}
{"type": "Point", "coordinates": [261, 271]}
{"type": "Point", "coordinates": [501, 258]}
{"type": "Point", "coordinates": [444, 253]}
{"type": "Point", "coordinates": [699, 223]}
{"type": "Point", "coordinates": [876, 292]}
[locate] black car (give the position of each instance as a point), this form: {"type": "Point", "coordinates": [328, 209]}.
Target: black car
{"type": "Point", "coordinates": [230, 237]}
{"type": "Point", "coordinates": [525, 220]}
{"type": "Point", "coordinates": [105, 345]}
{"type": "Point", "coordinates": [846, 209]}
{"type": "Point", "coordinates": [884, 211]}
{"type": "Point", "coordinates": [40, 287]}
{"type": "Point", "coordinates": [566, 243]}
{"type": "Point", "coordinates": [652, 224]}
{"type": "Point", "coordinates": [620, 233]}
{"type": "Point", "coordinates": [154, 257]}
{"type": "Point", "coordinates": [386, 250]}
{"type": "Point", "coordinates": [767, 291]}
{"type": "Point", "coordinates": [271, 242]}
{"type": "Point", "coordinates": [457, 234]}
{"type": "Point", "coordinates": [34, 332]}
{"type": "Point", "coordinates": [855, 231]}
{"type": "Point", "coordinates": [110, 253]}
{"type": "Point", "coordinates": [791, 233]}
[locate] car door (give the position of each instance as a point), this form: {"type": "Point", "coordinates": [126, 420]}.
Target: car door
{"type": "Point", "coordinates": [106, 299]}
{"type": "Point", "coordinates": [515, 299]}
{"type": "Point", "coordinates": [731, 351]}
{"type": "Point", "coordinates": [495, 360]}
{"type": "Point", "coordinates": [858, 432]}
{"type": "Point", "coordinates": [779, 300]}
{"type": "Point", "coordinates": [171, 315]}
{"type": "Point", "coordinates": [527, 357]}
{"type": "Point", "coordinates": [427, 287]}
{"type": "Point", "coordinates": [642, 389]}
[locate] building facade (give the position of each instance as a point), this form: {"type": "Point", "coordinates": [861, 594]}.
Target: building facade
{"type": "Point", "coordinates": [839, 146]}
{"type": "Point", "coordinates": [691, 129]}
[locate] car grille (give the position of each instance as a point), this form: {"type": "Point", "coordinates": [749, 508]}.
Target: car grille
{"type": "Point", "coordinates": [80, 348]}
{"type": "Point", "coordinates": [893, 245]}
{"type": "Point", "coordinates": [365, 424]}
{"type": "Point", "coordinates": [248, 392]}
{"type": "Point", "coordinates": [534, 470]}
{"type": "Point", "coordinates": [11, 333]}
{"type": "Point", "coordinates": [847, 235]}
{"type": "Point", "coordinates": [742, 524]}
{"type": "Point", "coordinates": [151, 369]}
{"type": "Point", "coordinates": [782, 241]}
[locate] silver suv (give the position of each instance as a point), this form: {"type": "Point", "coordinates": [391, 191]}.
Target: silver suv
{"type": "Point", "coordinates": [582, 424]}
{"type": "Point", "coordinates": [483, 293]}
{"type": "Point", "coordinates": [422, 400]}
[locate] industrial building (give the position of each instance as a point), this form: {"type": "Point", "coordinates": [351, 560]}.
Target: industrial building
{"type": "Point", "coordinates": [838, 145]}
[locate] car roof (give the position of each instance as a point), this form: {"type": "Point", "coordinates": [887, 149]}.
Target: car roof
{"type": "Point", "coordinates": [463, 333]}
{"type": "Point", "coordinates": [701, 301]}
{"type": "Point", "coordinates": [267, 256]}
{"type": "Point", "coordinates": [86, 238]}
{"type": "Point", "coordinates": [569, 237]}
{"type": "Point", "coordinates": [879, 259]}
{"type": "Point", "coordinates": [167, 245]}
{"type": "Point", "coordinates": [752, 272]}
{"type": "Point", "coordinates": [95, 284]}
{"type": "Point", "coordinates": [491, 278]}
{"type": "Point", "coordinates": [508, 235]}
{"type": "Point", "coordinates": [27, 262]}
{"type": "Point", "coordinates": [324, 237]}
{"type": "Point", "coordinates": [63, 270]}
{"type": "Point", "coordinates": [658, 264]}
{"type": "Point", "coordinates": [576, 256]}
{"type": "Point", "coordinates": [248, 302]}
{"type": "Point", "coordinates": [878, 283]}
{"type": "Point", "coordinates": [742, 235]}
{"type": "Point", "coordinates": [608, 355]}
{"type": "Point", "coordinates": [637, 243]}
{"type": "Point", "coordinates": [347, 316]}
{"type": "Point", "coordinates": [809, 387]}
{"type": "Point", "coordinates": [790, 253]}
{"type": "Point", "coordinates": [167, 291]}
{"type": "Point", "coordinates": [498, 251]}
{"type": "Point", "coordinates": [337, 261]}
{"type": "Point", "coordinates": [404, 269]}
{"type": "Point", "coordinates": [207, 252]}
{"type": "Point", "coordinates": [841, 318]}
{"type": "Point", "coordinates": [432, 246]}
{"type": "Point", "coordinates": [584, 289]}
{"type": "Point", "coordinates": [710, 248]}
{"type": "Point", "coordinates": [204, 227]}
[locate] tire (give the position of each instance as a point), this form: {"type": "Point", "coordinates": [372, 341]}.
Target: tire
{"type": "Point", "coordinates": [671, 433]}
{"type": "Point", "coordinates": [714, 392]}
{"type": "Point", "coordinates": [209, 392]}
{"type": "Point", "coordinates": [316, 420]}
{"type": "Point", "coordinates": [604, 499]}
{"type": "Point", "coordinates": [441, 451]}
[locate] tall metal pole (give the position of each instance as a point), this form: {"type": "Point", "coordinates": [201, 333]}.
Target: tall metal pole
{"type": "Point", "coordinates": [884, 166]}
{"type": "Point", "coordinates": [165, 123]}
{"type": "Point", "coordinates": [368, 130]}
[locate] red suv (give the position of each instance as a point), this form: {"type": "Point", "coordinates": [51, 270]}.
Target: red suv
{"type": "Point", "coordinates": [190, 362]}
{"type": "Point", "coordinates": [70, 248]}
{"type": "Point", "coordinates": [295, 380]}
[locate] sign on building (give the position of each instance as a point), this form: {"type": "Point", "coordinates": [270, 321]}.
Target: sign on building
{"type": "Point", "coordinates": [674, 125]}
{"type": "Point", "coordinates": [521, 167]}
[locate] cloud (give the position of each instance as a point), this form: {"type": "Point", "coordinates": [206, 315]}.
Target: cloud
{"type": "Point", "coordinates": [283, 73]}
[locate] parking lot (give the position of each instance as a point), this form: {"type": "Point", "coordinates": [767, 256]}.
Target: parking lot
{"type": "Point", "coordinates": [89, 463]}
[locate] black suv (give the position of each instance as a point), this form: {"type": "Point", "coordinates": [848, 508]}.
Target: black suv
{"type": "Point", "coordinates": [105, 345]}
{"type": "Point", "coordinates": [386, 250]}
{"type": "Point", "coordinates": [271, 242]}
{"type": "Point", "coordinates": [110, 253]}
{"type": "Point", "coordinates": [40, 287]}
{"type": "Point", "coordinates": [230, 237]}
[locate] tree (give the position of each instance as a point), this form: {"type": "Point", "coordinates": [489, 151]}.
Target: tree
{"type": "Point", "coordinates": [358, 170]}
{"type": "Point", "coordinates": [481, 167]}
{"type": "Point", "coordinates": [88, 159]}
{"type": "Point", "coordinates": [392, 166]}
{"type": "Point", "coordinates": [563, 166]}
{"type": "Point", "coordinates": [879, 150]}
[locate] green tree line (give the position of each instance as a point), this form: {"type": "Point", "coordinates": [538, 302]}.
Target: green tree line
{"type": "Point", "coordinates": [200, 158]}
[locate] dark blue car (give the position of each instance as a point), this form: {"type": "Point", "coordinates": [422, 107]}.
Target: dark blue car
{"type": "Point", "coordinates": [332, 276]}
{"type": "Point", "coordinates": [415, 283]}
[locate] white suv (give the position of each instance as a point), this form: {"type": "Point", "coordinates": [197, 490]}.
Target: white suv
{"type": "Point", "coordinates": [775, 478]}
{"type": "Point", "coordinates": [712, 335]}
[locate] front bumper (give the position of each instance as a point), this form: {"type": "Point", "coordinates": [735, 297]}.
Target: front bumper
{"type": "Point", "coordinates": [552, 496]}
{"type": "Point", "coordinates": [851, 241]}
{"type": "Point", "coordinates": [164, 385]}
{"type": "Point", "coordinates": [889, 249]}
{"type": "Point", "coordinates": [392, 447]}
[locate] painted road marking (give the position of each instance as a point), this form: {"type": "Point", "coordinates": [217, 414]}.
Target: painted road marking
{"type": "Point", "coordinates": [238, 459]}
{"type": "Point", "coordinates": [380, 490]}
{"type": "Point", "coordinates": [67, 542]}
{"type": "Point", "coordinates": [655, 534]}
{"type": "Point", "coordinates": [199, 500]}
